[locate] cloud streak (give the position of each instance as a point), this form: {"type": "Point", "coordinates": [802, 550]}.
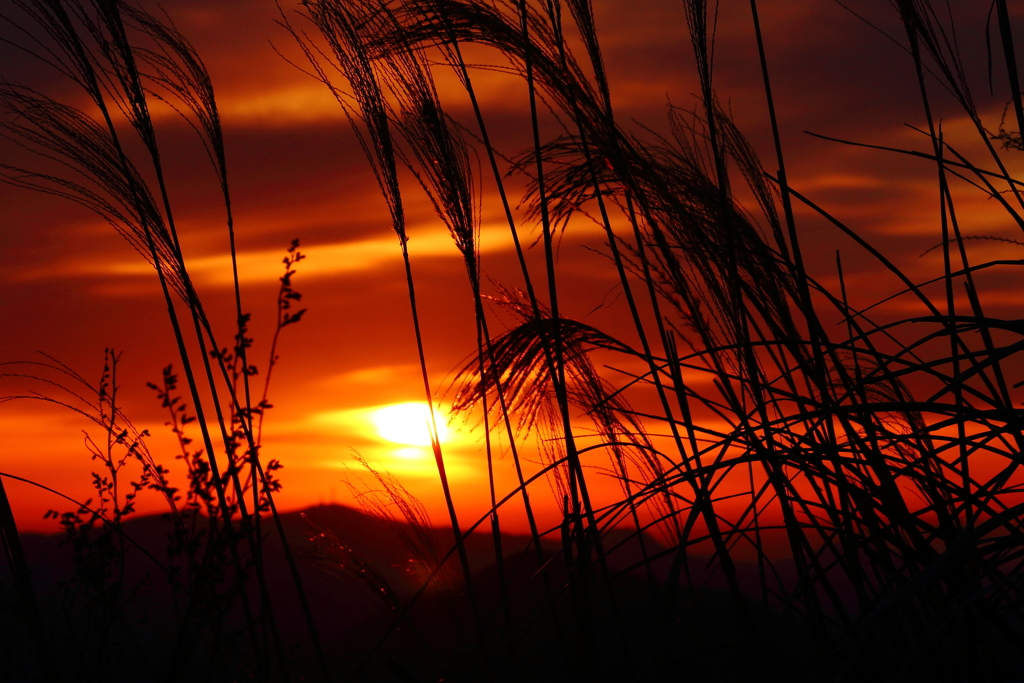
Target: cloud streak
{"type": "Point", "coordinates": [337, 259]}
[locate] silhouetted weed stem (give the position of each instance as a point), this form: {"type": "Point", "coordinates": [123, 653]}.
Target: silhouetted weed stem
{"type": "Point", "coordinates": [178, 69]}
{"type": "Point", "coordinates": [115, 48]}
{"type": "Point", "coordinates": [27, 604]}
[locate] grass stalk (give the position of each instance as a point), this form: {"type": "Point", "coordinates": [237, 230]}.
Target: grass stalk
{"type": "Point", "coordinates": [1010, 58]}
{"type": "Point", "coordinates": [28, 607]}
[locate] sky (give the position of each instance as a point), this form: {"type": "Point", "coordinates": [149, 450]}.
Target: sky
{"type": "Point", "coordinates": [72, 287]}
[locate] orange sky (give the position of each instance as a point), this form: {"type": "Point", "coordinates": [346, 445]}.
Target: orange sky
{"type": "Point", "coordinates": [72, 287]}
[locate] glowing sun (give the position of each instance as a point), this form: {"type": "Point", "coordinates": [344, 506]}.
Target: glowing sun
{"type": "Point", "coordinates": [407, 423]}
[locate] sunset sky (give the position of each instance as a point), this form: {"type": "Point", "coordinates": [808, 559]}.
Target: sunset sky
{"type": "Point", "coordinates": [72, 287]}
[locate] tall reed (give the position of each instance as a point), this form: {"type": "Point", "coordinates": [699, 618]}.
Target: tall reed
{"type": "Point", "coordinates": [848, 475]}
{"type": "Point", "coordinates": [854, 448]}
{"type": "Point", "coordinates": [123, 59]}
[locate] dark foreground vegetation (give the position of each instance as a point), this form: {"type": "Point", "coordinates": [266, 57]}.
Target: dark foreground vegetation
{"type": "Point", "coordinates": [810, 490]}
{"type": "Point", "coordinates": [360, 577]}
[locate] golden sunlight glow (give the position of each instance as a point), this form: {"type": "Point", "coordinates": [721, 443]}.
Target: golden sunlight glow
{"type": "Point", "coordinates": [410, 453]}
{"type": "Point", "coordinates": [407, 423]}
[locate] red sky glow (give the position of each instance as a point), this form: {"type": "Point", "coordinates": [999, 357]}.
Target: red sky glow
{"type": "Point", "coordinates": [72, 287]}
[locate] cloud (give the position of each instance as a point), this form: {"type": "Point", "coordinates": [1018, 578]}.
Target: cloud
{"type": "Point", "coordinates": [260, 266]}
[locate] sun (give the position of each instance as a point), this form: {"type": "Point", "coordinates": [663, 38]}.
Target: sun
{"type": "Point", "coordinates": [407, 423]}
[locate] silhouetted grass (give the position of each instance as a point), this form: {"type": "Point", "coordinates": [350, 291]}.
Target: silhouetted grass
{"type": "Point", "coordinates": [805, 492]}
{"type": "Point", "coordinates": [847, 454]}
{"type": "Point", "coordinates": [123, 58]}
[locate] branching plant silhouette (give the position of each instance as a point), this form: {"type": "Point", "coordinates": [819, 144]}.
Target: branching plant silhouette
{"type": "Point", "coordinates": [811, 486]}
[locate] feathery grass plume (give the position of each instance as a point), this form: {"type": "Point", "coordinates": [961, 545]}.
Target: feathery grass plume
{"type": "Point", "coordinates": [178, 72]}
{"type": "Point", "coordinates": [443, 169]}
{"type": "Point", "coordinates": [870, 469]}
{"type": "Point", "coordinates": [115, 189]}
{"type": "Point", "coordinates": [856, 451]}
{"type": "Point", "coordinates": [830, 435]}
{"type": "Point", "coordinates": [452, 53]}
{"type": "Point", "coordinates": [428, 23]}
{"type": "Point", "coordinates": [680, 199]}
{"type": "Point", "coordinates": [573, 487]}
{"type": "Point", "coordinates": [198, 552]}
{"type": "Point", "coordinates": [93, 44]}
{"type": "Point", "coordinates": [347, 28]}
{"type": "Point", "coordinates": [390, 496]}
{"type": "Point", "coordinates": [452, 22]}
{"type": "Point", "coordinates": [924, 29]}
{"type": "Point", "coordinates": [518, 365]}
{"type": "Point", "coordinates": [570, 98]}
{"type": "Point", "coordinates": [397, 63]}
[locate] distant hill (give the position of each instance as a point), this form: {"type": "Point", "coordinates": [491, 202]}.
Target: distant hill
{"type": "Point", "coordinates": [358, 572]}
{"type": "Point", "coordinates": [364, 579]}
